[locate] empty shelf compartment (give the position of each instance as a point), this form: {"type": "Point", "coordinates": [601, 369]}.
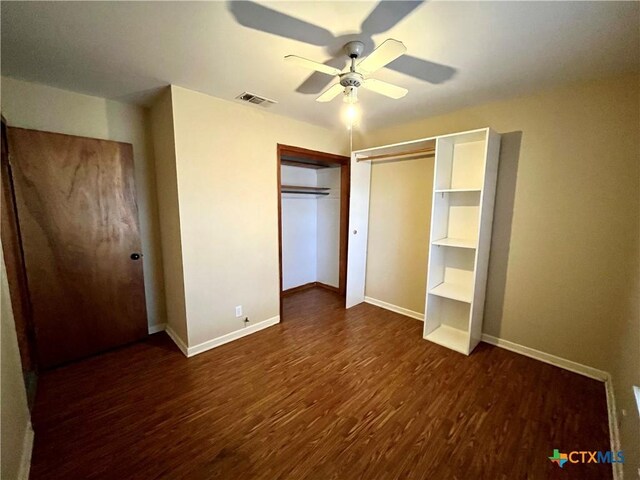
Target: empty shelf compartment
{"type": "Point", "coordinates": [450, 337]}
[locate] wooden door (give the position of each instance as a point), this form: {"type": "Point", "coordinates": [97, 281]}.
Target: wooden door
{"type": "Point", "coordinates": [78, 219]}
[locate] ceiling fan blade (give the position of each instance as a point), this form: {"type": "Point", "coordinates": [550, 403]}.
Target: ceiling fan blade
{"type": "Point", "coordinates": [330, 93]}
{"type": "Point", "coordinates": [317, 82]}
{"type": "Point", "coordinates": [311, 65]}
{"type": "Point", "coordinates": [422, 69]}
{"type": "Point", "coordinates": [258, 17]}
{"type": "Point", "coordinates": [387, 52]}
{"type": "Point", "coordinates": [384, 88]}
{"type": "Point", "coordinates": [386, 15]}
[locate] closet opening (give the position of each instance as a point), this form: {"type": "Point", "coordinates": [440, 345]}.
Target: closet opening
{"type": "Point", "coordinates": [433, 268]}
{"type": "Point", "coordinates": [313, 217]}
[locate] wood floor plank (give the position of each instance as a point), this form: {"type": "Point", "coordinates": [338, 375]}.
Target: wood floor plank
{"type": "Point", "coordinates": [327, 394]}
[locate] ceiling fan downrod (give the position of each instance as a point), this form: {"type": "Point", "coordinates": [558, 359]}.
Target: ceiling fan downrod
{"type": "Point", "coordinates": [352, 79]}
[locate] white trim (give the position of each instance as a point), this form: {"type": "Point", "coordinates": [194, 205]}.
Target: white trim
{"type": "Point", "coordinates": [614, 432]}
{"type": "Point", "coordinates": [417, 140]}
{"type": "Point", "coordinates": [158, 327]}
{"type": "Point", "coordinates": [394, 308]}
{"type": "Point", "coordinates": [230, 337]}
{"type": "Point", "coordinates": [359, 193]}
{"type": "Point", "coordinates": [177, 340]}
{"type": "Point", "coordinates": [547, 358]}
{"type": "Point", "coordinates": [27, 449]}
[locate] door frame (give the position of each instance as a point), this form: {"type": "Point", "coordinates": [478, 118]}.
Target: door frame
{"type": "Point", "coordinates": [14, 263]}
{"type": "Point", "coordinates": [328, 159]}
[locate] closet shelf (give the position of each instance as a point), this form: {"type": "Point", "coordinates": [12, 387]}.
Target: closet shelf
{"type": "Point", "coordinates": [303, 163]}
{"type": "Point", "coordinates": [450, 337]}
{"type": "Point", "coordinates": [457, 190]}
{"type": "Point", "coordinates": [304, 190]}
{"type": "Point", "coordinates": [300, 187]}
{"type": "Point", "coordinates": [456, 242]}
{"type": "Point", "coordinates": [454, 292]}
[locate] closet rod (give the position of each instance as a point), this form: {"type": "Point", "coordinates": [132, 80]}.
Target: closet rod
{"type": "Point", "coordinates": [426, 151]}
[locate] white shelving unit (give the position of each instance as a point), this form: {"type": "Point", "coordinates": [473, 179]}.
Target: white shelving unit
{"type": "Point", "coordinates": [466, 167]}
{"type": "Point", "coordinates": [464, 185]}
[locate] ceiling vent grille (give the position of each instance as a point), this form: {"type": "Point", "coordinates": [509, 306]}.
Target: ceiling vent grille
{"type": "Point", "coordinates": [255, 99]}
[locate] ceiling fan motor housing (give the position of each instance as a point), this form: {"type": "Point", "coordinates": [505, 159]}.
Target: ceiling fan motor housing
{"type": "Point", "coordinates": [351, 79]}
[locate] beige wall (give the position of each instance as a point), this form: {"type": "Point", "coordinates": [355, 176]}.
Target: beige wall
{"type": "Point", "coordinates": [563, 274]}
{"type": "Point", "coordinates": [399, 219]}
{"type": "Point", "coordinates": [227, 184]}
{"type": "Point", "coordinates": [161, 121]}
{"type": "Point", "coordinates": [14, 417]}
{"type": "Point", "coordinates": [40, 107]}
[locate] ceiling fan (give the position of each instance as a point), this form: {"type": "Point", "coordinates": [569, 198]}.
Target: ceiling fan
{"type": "Point", "coordinates": [383, 17]}
{"type": "Point", "coordinates": [358, 75]}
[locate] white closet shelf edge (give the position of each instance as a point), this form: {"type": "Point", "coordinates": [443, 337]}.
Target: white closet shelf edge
{"type": "Point", "coordinates": [456, 242]}
{"type": "Point", "coordinates": [453, 292]}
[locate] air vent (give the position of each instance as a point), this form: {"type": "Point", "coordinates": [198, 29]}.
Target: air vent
{"type": "Point", "coordinates": [255, 99]}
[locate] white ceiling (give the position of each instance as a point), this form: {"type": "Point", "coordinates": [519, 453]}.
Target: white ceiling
{"type": "Point", "coordinates": [128, 50]}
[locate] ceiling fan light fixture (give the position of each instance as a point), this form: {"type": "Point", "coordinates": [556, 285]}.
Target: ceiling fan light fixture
{"type": "Point", "coordinates": [350, 95]}
{"type": "Point", "coordinates": [351, 115]}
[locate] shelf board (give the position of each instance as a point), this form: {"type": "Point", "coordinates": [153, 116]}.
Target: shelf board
{"type": "Point", "coordinates": [303, 162]}
{"type": "Point", "coordinates": [304, 192]}
{"type": "Point", "coordinates": [453, 291]}
{"type": "Point", "coordinates": [301, 187]}
{"type": "Point", "coordinates": [450, 337]}
{"type": "Point", "coordinates": [457, 190]}
{"type": "Point", "coordinates": [456, 242]}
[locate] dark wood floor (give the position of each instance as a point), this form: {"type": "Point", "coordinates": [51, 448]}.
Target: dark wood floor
{"type": "Point", "coordinates": [327, 394]}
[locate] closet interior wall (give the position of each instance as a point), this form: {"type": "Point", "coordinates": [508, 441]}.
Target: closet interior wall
{"type": "Point", "coordinates": [399, 219]}
{"type": "Point", "coordinates": [310, 226]}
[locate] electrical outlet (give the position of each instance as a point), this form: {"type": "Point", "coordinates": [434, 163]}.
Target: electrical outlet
{"type": "Point", "coordinates": [238, 311]}
{"type": "Point", "coordinates": [246, 321]}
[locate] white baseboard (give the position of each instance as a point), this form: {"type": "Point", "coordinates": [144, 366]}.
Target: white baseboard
{"type": "Point", "coordinates": [394, 308]}
{"type": "Point", "coordinates": [547, 358]}
{"type": "Point", "coordinates": [27, 449]}
{"type": "Point", "coordinates": [216, 342]}
{"type": "Point", "coordinates": [159, 327]}
{"type": "Point", "coordinates": [177, 340]}
{"type": "Point", "coordinates": [230, 337]}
